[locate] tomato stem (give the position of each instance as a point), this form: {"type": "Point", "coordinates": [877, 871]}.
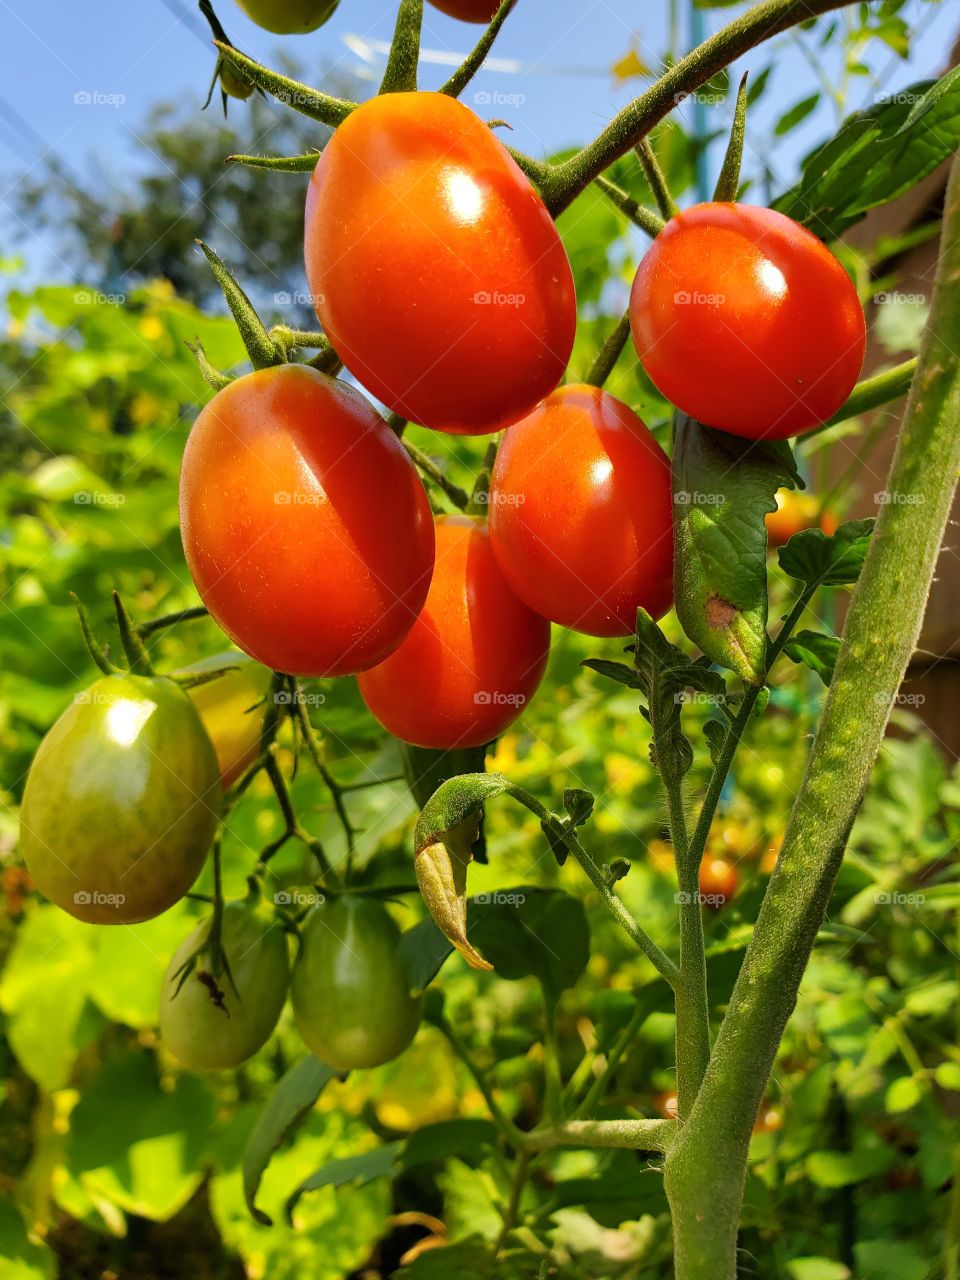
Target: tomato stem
{"type": "Point", "coordinates": [171, 620]}
{"type": "Point", "coordinates": [261, 349]}
{"type": "Point", "coordinates": [705, 1169]}
{"type": "Point", "coordinates": [610, 352]}
{"type": "Point", "coordinates": [309, 102]}
{"type": "Point", "coordinates": [639, 214]}
{"type": "Point", "coordinates": [475, 59]}
{"type": "Point", "coordinates": [133, 646]}
{"type": "Point", "coordinates": [656, 179]}
{"type": "Point", "coordinates": [426, 464]}
{"type": "Point", "coordinates": [400, 75]}
{"type": "Point", "coordinates": [94, 649]}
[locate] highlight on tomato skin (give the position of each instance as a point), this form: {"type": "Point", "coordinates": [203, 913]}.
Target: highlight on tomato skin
{"type": "Point", "coordinates": [719, 880]}
{"type": "Point", "coordinates": [306, 528]}
{"type": "Point", "coordinates": [747, 322]}
{"type": "Point", "coordinates": [472, 660]}
{"type": "Point", "coordinates": [581, 513]}
{"type": "Point", "coordinates": [434, 267]}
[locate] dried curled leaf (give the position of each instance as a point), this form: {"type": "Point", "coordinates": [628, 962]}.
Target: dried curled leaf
{"type": "Point", "coordinates": [441, 868]}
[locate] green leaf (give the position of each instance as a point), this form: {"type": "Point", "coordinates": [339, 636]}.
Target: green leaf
{"type": "Point", "coordinates": [136, 1145]}
{"type": "Point", "coordinates": [294, 1096]}
{"type": "Point", "coordinates": [877, 155]}
{"type": "Point", "coordinates": [44, 994]}
{"type": "Point", "coordinates": [453, 803]}
{"type": "Point", "coordinates": [834, 1169]}
{"type": "Point", "coordinates": [723, 489]}
{"type": "Point", "coordinates": [947, 1076]}
{"type": "Point", "coordinates": [817, 1269]}
{"type": "Point", "coordinates": [381, 1162]}
{"type": "Point", "coordinates": [815, 650]}
{"type": "Point", "coordinates": [464, 1137]}
{"type": "Point", "coordinates": [890, 1260]}
{"type": "Point", "coordinates": [578, 803]}
{"type": "Point", "coordinates": [903, 1094]}
{"type": "Point", "coordinates": [422, 951]}
{"type": "Point", "coordinates": [618, 671]}
{"type": "Point", "coordinates": [23, 1258]}
{"type": "Point", "coordinates": [535, 932]}
{"type": "Point", "coordinates": [818, 559]}
{"type": "Point", "coordinates": [796, 115]}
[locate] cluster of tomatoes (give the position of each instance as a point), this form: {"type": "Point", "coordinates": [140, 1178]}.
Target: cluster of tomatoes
{"type": "Point", "coordinates": [442, 284]}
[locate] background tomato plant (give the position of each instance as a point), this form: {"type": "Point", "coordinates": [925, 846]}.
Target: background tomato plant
{"type": "Point", "coordinates": [119, 1157]}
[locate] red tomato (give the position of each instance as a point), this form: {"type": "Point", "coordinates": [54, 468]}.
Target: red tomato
{"type": "Point", "coordinates": [666, 1104]}
{"type": "Point", "coordinates": [581, 513]}
{"type": "Point", "coordinates": [746, 321]}
{"type": "Point", "coordinates": [306, 528]}
{"type": "Point", "coordinates": [435, 269]}
{"type": "Point", "coordinates": [795, 512]}
{"type": "Point", "coordinates": [468, 10]}
{"type": "Point", "coordinates": [474, 657]}
{"type": "Point", "coordinates": [718, 880]}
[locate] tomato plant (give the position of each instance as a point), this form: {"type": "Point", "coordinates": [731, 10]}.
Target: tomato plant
{"type": "Point", "coordinates": [121, 802]}
{"type": "Point", "coordinates": [746, 321]}
{"type": "Point", "coordinates": [210, 1034]}
{"type": "Point", "coordinates": [580, 513]}
{"type": "Point", "coordinates": [351, 997]}
{"type": "Point", "coordinates": [483, 330]}
{"type": "Point", "coordinates": [468, 10]}
{"type": "Point", "coordinates": [285, 471]}
{"type": "Point", "coordinates": [472, 660]}
{"type": "Point", "coordinates": [523, 1036]}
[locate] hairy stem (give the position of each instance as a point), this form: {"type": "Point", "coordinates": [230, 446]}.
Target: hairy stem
{"type": "Point", "coordinates": [706, 1168]}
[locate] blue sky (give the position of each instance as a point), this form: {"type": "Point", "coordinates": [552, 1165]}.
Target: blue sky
{"type": "Point", "coordinates": [122, 56]}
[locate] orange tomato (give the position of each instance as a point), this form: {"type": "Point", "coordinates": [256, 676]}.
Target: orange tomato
{"type": "Point", "coordinates": [232, 709]}
{"type": "Point", "coordinates": [435, 269]}
{"type": "Point", "coordinates": [473, 658]}
{"type": "Point", "coordinates": [718, 880]}
{"type": "Point", "coordinates": [795, 512]}
{"type": "Point", "coordinates": [305, 526]}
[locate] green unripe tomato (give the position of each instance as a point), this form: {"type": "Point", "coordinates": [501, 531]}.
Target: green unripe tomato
{"type": "Point", "coordinates": [205, 1037]}
{"type": "Point", "coordinates": [121, 801]}
{"type": "Point", "coordinates": [232, 83]}
{"type": "Point", "coordinates": [288, 17]}
{"type": "Point", "coordinates": [350, 995]}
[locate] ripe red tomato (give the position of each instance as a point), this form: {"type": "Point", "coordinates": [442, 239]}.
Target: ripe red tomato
{"type": "Point", "coordinates": [468, 10]}
{"type": "Point", "coordinates": [744, 320]}
{"type": "Point", "coordinates": [473, 658]}
{"type": "Point", "coordinates": [795, 512]}
{"type": "Point", "coordinates": [718, 880]}
{"type": "Point", "coordinates": [435, 269]}
{"type": "Point", "coordinates": [288, 17]}
{"type": "Point", "coordinates": [581, 513]}
{"type": "Point", "coordinates": [305, 526]}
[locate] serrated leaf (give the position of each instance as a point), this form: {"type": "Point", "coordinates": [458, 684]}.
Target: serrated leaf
{"type": "Point", "coordinates": [816, 651]}
{"type": "Point", "coordinates": [818, 559]}
{"type": "Point", "coordinates": [877, 155]}
{"type": "Point", "coordinates": [381, 1162]}
{"type": "Point", "coordinates": [294, 1096]}
{"type": "Point", "coordinates": [578, 803]}
{"type": "Point", "coordinates": [724, 488]}
{"type": "Point", "coordinates": [617, 671]}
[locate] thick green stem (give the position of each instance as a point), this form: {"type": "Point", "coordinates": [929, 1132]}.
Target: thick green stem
{"type": "Point", "coordinates": [474, 60]}
{"type": "Point", "coordinates": [639, 1135]}
{"type": "Point", "coordinates": [635, 121]}
{"type": "Point", "coordinates": [705, 1169]}
{"type": "Point", "coordinates": [610, 352]}
{"type": "Point", "coordinates": [871, 393]}
{"type": "Point", "coordinates": [400, 75]}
